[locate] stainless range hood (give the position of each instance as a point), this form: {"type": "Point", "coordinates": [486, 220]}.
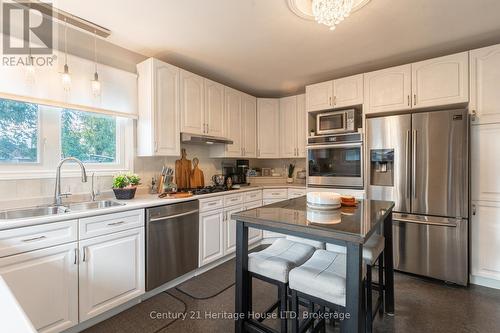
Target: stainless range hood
{"type": "Point", "coordinates": [197, 138]}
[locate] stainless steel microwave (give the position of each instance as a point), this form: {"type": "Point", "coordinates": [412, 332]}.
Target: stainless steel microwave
{"type": "Point", "coordinates": [337, 122]}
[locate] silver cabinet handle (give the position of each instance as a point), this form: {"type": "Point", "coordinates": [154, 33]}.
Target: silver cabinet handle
{"type": "Point", "coordinates": [414, 99]}
{"type": "Point", "coordinates": [173, 216]}
{"type": "Point", "coordinates": [84, 254]}
{"type": "Point", "coordinates": [334, 100]}
{"type": "Point", "coordinates": [34, 239]}
{"type": "Point", "coordinates": [76, 257]}
{"type": "Point", "coordinates": [474, 114]}
{"type": "Point", "coordinates": [409, 104]}
{"type": "Point", "coordinates": [116, 223]}
{"type": "Point", "coordinates": [330, 101]}
{"type": "Point", "coordinates": [474, 209]}
{"type": "Point", "coordinates": [408, 166]}
{"type": "Point", "coordinates": [414, 162]}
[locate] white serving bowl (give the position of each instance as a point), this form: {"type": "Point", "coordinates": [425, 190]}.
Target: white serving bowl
{"type": "Point", "coordinates": [323, 199]}
{"type": "Point", "coordinates": [324, 217]}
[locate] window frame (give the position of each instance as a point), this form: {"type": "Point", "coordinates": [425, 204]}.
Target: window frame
{"type": "Point", "coordinates": [49, 147]}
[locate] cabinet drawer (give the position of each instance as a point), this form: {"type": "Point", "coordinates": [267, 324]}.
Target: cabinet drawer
{"type": "Point", "coordinates": [109, 223]}
{"type": "Point", "coordinates": [212, 203]}
{"type": "Point", "coordinates": [253, 196]}
{"type": "Point", "coordinates": [277, 193]}
{"type": "Point", "coordinates": [36, 237]}
{"type": "Point", "coordinates": [295, 193]}
{"type": "Point", "coordinates": [234, 199]}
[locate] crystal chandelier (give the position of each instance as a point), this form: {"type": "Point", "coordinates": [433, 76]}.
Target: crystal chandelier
{"type": "Point", "coordinates": [331, 12]}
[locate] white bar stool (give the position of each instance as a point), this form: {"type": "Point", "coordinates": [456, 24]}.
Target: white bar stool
{"type": "Point", "coordinates": [322, 281]}
{"type": "Point", "coordinates": [273, 265]}
{"type": "Point", "coordinates": [372, 254]}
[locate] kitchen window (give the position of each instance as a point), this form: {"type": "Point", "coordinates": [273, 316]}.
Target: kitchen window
{"type": "Point", "coordinates": [19, 133]}
{"type": "Point", "coordinates": [35, 137]}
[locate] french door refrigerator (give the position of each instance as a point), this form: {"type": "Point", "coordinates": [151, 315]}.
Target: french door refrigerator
{"type": "Point", "coordinates": [420, 161]}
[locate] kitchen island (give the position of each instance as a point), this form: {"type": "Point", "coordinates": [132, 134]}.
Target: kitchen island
{"type": "Point", "coordinates": [347, 226]}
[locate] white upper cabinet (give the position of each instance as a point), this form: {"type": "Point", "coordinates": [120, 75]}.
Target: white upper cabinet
{"type": "Point", "coordinates": [288, 126]}
{"type": "Point", "coordinates": [249, 125]}
{"type": "Point", "coordinates": [348, 91]}
{"type": "Point", "coordinates": [484, 85]}
{"type": "Point", "coordinates": [485, 162]}
{"type": "Point", "coordinates": [158, 127]}
{"type": "Point", "coordinates": [233, 125]}
{"type": "Point", "coordinates": [301, 126]}
{"type": "Point", "coordinates": [319, 96]}
{"type": "Point", "coordinates": [388, 89]}
{"type": "Point", "coordinates": [214, 108]}
{"type": "Point", "coordinates": [441, 81]}
{"type": "Point", "coordinates": [268, 128]}
{"type": "Point", "coordinates": [192, 103]}
{"type": "Point", "coordinates": [292, 127]}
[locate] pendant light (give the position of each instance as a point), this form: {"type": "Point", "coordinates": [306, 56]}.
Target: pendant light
{"type": "Point", "coordinates": [66, 78]}
{"type": "Point", "coordinates": [96, 84]}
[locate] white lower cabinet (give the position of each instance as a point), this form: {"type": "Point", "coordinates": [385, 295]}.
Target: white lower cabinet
{"type": "Point", "coordinates": [485, 243]}
{"type": "Point", "coordinates": [211, 236]}
{"type": "Point", "coordinates": [45, 283]}
{"type": "Point", "coordinates": [254, 235]}
{"type": "Point", "coordinates": [111, 271]}
{"type": "Point", "coordinates": [296, 192]}
{"type": "Point", "coordinates": [230, 229]}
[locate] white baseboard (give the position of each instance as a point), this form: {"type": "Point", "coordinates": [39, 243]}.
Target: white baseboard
{"type": "Point", "coordinates": [485, 282]}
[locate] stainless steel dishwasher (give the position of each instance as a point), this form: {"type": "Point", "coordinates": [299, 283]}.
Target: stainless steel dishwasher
{"type": "Point", "coordinates": [172, 242]}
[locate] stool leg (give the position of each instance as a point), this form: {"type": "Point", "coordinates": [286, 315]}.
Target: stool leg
{"type": "Point", "coordinates": [381, 283]}
{"type": "Point", "coordinates": [295, 309]}
{"type": "Point", "coordinates": [322, 321]}
{"type": "Point", "coordinates": [369, 309]}
{"type": "Point", "coordinates": [250, 300]}
{"type": "Point", "coordinates": [282, 295]}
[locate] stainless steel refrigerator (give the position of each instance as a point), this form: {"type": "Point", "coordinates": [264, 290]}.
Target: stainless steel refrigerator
{"type": "Point", "coordinates": [420, 161]}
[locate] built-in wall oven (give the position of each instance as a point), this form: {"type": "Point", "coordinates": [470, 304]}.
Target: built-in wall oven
{"type": "Point", "coordinates": [335, 161]}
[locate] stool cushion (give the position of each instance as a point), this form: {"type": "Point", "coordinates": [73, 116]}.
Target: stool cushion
{"type": "Point", "coordinates": [276, 261]}
{"type": "Point", "coordinates": [371, 249]}
{"type": "Point", "coordinates": [317, 244]}
{"type": "Point", "coordinates": [323, 276]}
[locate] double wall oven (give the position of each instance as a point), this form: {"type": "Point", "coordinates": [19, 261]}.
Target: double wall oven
{"type": "Point", "coordinates": [335, 161]}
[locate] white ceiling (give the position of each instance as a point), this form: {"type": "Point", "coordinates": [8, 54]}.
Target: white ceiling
{"type": "Point", "coordinates": [261, 47]}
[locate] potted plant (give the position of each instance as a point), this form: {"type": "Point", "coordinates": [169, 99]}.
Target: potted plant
{"type": "Point", "coordinates": [291, 169]}
{"type": "Point", "coordinates": [125, 185]}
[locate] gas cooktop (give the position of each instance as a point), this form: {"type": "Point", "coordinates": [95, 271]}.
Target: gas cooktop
{"type": "Point", "coordinates": [207, 189]}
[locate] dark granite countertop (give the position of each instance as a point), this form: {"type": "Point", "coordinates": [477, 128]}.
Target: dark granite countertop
{"type": "Point", "coordinates": [346, 224]}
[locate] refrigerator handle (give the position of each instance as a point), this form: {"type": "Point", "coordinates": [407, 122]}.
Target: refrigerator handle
{"type": "Point", "coordinates": [414, 164]}
{"type": "Point", "coordinates": [408, 169]}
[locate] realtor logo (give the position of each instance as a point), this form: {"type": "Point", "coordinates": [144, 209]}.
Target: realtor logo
{"type": "Point", "coordinates": [35, 33]}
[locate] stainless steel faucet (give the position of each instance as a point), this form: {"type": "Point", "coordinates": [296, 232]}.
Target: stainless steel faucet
{"type": "Point", "coordinates": [57, 193]}
{"type": "Point", "coordinates": [94, 193]}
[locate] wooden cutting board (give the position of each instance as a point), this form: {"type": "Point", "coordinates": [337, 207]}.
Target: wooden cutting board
{"type": "Point", "coordinates": [183, 171]}
{"type": "Point", "coordinates": [196, 179]}
{"type": "Point", "coordinates": [176, 195]}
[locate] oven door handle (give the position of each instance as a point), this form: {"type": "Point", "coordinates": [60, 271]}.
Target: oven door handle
{"type": "Point", "coordinates": [339, 145]}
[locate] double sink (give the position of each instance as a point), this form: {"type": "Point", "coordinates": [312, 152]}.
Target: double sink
{"type": "Point", "coordinates": [49, 210]}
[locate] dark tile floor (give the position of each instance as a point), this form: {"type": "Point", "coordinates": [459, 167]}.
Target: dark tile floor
{"type": "Point", "coordinates": [421, 306]}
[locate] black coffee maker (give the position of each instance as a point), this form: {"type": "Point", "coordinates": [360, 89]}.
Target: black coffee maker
{"type": "Point", "coordinates": [242, 167]}
{"type": "Point", "coordinates": [237, 172]}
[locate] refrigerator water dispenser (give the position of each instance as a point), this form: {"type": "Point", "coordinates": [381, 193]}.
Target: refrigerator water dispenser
{"type": "Point", "coordinates": [382, 167]}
